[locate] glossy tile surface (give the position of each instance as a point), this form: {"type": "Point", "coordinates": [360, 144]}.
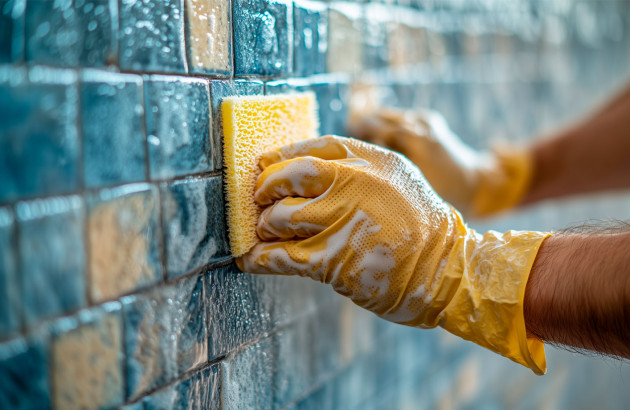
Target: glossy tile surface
{"type": "Point", "coordinates": [209, 36]}
{"type": "Point", "coordinates": [178, 126]}
{"type": "Point", "coordinates": [51, 256]}
{"type": "Point", "coordinates": [113, 154]}
{"type": "Point", "coordinates": [12, 30]}
{"type": "Point", "coordinates": [200, 391]}
{"type": "Point", "coordinates": [310, 38]}
{"type": "Point", "coordinates": [194, 227]}
{"type": "Point", "coordinates": [9, 287]}
{"type": "Point", "coordinates": [124, 240]}
{"type": "Point", "coordinates": [39, 143]}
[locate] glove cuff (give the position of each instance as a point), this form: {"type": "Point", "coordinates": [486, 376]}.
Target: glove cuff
{"type": "Point", "coordinates": [487, 307]}
{"type": "Point", "coordinates": [503, 185]}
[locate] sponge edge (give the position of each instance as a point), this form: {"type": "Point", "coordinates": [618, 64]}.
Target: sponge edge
{"type": "Point", "coordinates": [253, 125]}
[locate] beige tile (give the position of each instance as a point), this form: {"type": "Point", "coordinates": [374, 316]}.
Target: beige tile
{"type": "Point", "coordinates": [345, 39]}
{"type": "Point", "coordinates": [208, 36]}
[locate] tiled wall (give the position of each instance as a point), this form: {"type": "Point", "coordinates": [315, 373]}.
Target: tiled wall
{"type": "Point", "coordinates": [116, 284]}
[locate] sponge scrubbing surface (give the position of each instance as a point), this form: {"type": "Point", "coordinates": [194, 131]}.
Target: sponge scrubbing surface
{"type": "Point", "coordinates": [253, 125]}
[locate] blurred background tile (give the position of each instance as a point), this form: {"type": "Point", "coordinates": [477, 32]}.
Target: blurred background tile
{"type": "Point", "coordinates": [263, 32]}
{"type": "Point", "coordinates": [51, 256]}
{"type": "Point", "coordinates": [12, 30]}
{"type": "Point", "coordinates": [124, 240]}
{"type": "Point", "coordinates": [345, 37]}
{"type": "Point", "coordinates": [218, 91]}
{"type": "Point", "coordinates": [112, 123]}
{"type": "Point", "coordinates": [152, 36]}
{"type": "Point", "coordinates": [39, 143]}
{"type": "Point", "coordinates": [10, 300]}
{"type": "Point", "coordinates": [209, 36]}
{"type": "Point", "coordinates": [178, 126]}
{"type": "Point", "coordinates": [194, 228]}
{"type": "Point", "coordinates": [310, 38]}
{"type": "Point", "coordinates": [87, 359]}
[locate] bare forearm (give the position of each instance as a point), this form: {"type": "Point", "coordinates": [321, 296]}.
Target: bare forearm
{"type": "Point", "coordinates": [578, 293]}
{"type": "Point", "coordinates": [593, 155]}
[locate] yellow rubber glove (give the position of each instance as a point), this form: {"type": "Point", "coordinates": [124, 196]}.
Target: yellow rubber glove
{"type": "Point", "coordinates": [365, 220]}
{"type": "Point", "coordinates": [476, 183]}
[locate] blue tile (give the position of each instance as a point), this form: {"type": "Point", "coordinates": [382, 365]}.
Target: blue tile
{"type": "Point", "coordinates": [239, 306]}
{"type": "Point", "coordinates": [87, 359]}
{"type": "Point", "coordinates": [165, 334]}
{"type": "Point", "coordinates": [52, 256]}
{"type": "Point", "coordinates": [247, 378]}
{"type": "Point", "coordinates": [218, 91]}
{"type": "Point", "coordinates": [178, 126]}
{"type": "Point", "coordinates": [324, 397]}
{"type": "Point", "coordinates": [152, 36]}
{"type": "Point", "coordinates": [24, 375]}
{"type": "Point", "coordinates": [262, 37]}
{"type": "Point", "coordinates": [9, 289]}
{"type": "Point", "coordinates": [293, 85]}
{"type": "Point", "coordinates": [113, 128]}
{"type": "Point", "coordinates": [194, 224]}
{"type": "Point", "coordinates": [12, 30]}
{"type": "Point", "coordinates": [70, 33]}
{"type": "Point", "coordinates": [333, 110]}
{"type": "Point", "coordinates": [310, 38]}
{"type": "Point", "coordinates": [376, 48]}
{"type": "Point", "coordinates": [200, 391]}
{"type": "Point", "coordinates": [124, 240]}
{"type": "Point", "coordinates": [39, 146]}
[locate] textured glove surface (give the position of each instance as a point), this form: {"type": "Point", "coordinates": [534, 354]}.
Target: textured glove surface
{"type": "Point", "coordinates": [477, 183]}
{"type": "Point", "coordinates": [365, 220]}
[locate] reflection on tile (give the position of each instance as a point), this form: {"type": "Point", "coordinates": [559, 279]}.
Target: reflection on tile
{"type": "Point", "coordinates": [194, 224]}
{"type": "Point", "coordinates": [12, 30]}
{"type": "Point", "coordinates": [9, 290]}
{"type": "Point", "coordinates": [24, 374]}
{"type": "Point", "coordinates": [262, 36]}
{"type": "Point", "coordinates": [219, 90]}
{"type": "Point", "coordinates": [200, 391]}
{"type": "Point", "coordinates": [123, 240]}
{"type": "Point", "coordinates": [87, 359]}
{"type": "Point", "coordinates": [239, 308]}
{"type": "Point", "coordinates": [209, 36]}
{"type": "Point", "coordinates": [310, 38]}
{"type": "Point", "coordinates": [70, 33]}
{"type": "Point", "coordinates": [113, 128]}
{"type": "Point", "coordinates": [152, 36]}
{"type": "Point", "coordinates": [345, 38]}
{"type": "Point", "coordinates": [178, 125]}
{"type": "Point", "coordinates": [165, 334]}
{"type": "Point", "coordinates": [247, 378]}
{"type": "Point", "coordinates": [52, 256]}
{"type": "Point", "coordinates": [39, 145]}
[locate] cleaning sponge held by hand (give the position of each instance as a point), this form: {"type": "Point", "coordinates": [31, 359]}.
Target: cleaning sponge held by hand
{"type": "Point", "coordinates": [251, 126]}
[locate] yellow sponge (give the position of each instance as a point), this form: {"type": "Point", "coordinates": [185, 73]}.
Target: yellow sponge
{"type": "Point", "coordinates": [251, 126]}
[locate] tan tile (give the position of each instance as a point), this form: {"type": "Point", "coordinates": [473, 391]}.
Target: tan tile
{"type": "Point", "coordinates": [345, 39]}
{"type": "Point", "coordinates": [208, 36]}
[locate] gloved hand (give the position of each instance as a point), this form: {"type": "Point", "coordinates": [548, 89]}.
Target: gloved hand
{"type": "Point", "coordinates": [476, 183]}
{"type": "Point", "coordinates": [365, 220]}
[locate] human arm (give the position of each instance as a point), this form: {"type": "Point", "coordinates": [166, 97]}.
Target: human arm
{"type": "Point", "coordinates": [578, 293]}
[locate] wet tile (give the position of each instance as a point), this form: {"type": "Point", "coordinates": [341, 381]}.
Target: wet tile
{"type": "Point", "coordinates": [124, 240]}
{"type": "Point", "coordinates": [51, 256]}
{"type": "Point", "coordinates": [295, 297]}
{"type": "Point", "coordinates": [165, 334]}
{"type": "Point", "coordinates": [152, 36]}
{"type": "Point", "coordinates": [200, 391]}
{"type": "Point", "coordinates": [12, 30]}
{"type": "Point", "coordinates": [324, 397]}
{"type": "Point", "coordinates": [113, 128]}
{"type": "Point", "coordinates": [293, 366]}
{"type": "Point", "coordinates": [39, 144]}
{"type": "Point", "coordinates": [178, 126]}
{"type": "Point", "coordinates": [262, 37]}
{"type": "Point", "coordinates": [87, 359]}
{"type": "Point", "coordinates": [209, 36]}
{"type": "Point", "coordinates": [70, 33]}
{"type": "Point", "coordinates": [333, 110]}
{"type": "Point", "coordinates": [218, 91]}
{"type": "Point", "coordinates": [310, 38]}
{"type": "Point", "coordinates": [9, 289]}
{"type": "Point", "coordinates": [24, 374]}
{"type": "Point", "coordinates": [239, 307]}
{"type": "Point", "coordinates": [194, 224]}
{"type": "Point", "coordinates": [345, 38]}
{"type": "Point", "coordinates": [247, 378]}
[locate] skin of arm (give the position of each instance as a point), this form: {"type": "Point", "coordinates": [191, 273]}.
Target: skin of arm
{"type": "Point", "coordinates": [578, 292]}
{"type": "Point", "coordinates": [592, 155]}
